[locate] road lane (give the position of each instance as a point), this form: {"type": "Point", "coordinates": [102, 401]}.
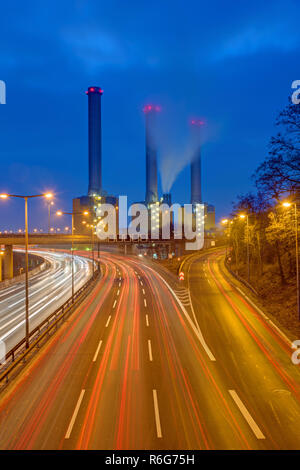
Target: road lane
{"type": "Point", "coordinates": [123, 373]}
{"type": "Point", "coordinates": [254, 358]}
{"type": "Point", "coordinates": [47, 291]}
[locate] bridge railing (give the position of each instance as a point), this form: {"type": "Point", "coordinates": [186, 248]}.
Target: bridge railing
{"type": "Point", "coordinates": [18, 354]}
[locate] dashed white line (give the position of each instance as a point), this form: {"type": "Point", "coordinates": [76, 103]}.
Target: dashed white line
{"type": "Point", "coordinates": [196, 331]}
{"type": "Point", "coordinates": [142, 283]}
{"type": "Point", "coordinates": [97, 351]}
{"type": "Point", "coordinates": [147, 320]}
{"type": "Point", "coordinates": [144, 291]}
{"type": "Point", "coordinates": [115, 302]}
{"type": "Point", "coordinates": [119, 284]}
{"type": "Point", "coordinates": [107, 323]}
{"type": "Point", "coordinates": [69, 430]}
{"type": "Point", "coordinates": [118, 292]}
{"type": "Point", "coordinates": [150, 350]}
{"type": "Point", "coordinates": [145, 302]}
{"type": "Point", "coordinates": [246, 415]}
{"type": "Point", "coordinates": [156, 413]}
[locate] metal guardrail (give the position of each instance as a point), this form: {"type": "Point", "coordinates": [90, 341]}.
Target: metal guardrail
{"type": "Point", "coordinates": [18, 353]}
{"type": "Point", "coordinates": [239, 278]}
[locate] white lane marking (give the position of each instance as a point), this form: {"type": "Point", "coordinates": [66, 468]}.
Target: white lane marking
{"type": "Point", "coordinates": [69, 430]}
{"type": "Point", "coordinates": [147, 320]}
{"type": "Point", "coordinates": [107, 323]}
{"type": "Point", "coordinates": [197, 332]}
{"type": "Point", "coordinates": [115, 302]}
{"type": "Point", "coordinates": [246, 415]}
{"type": "Point", "coordinates": [118, 292]}
{"type": "Point", "coordinates": [142, 283]}
{"type": "Point", "coordinates": [97, 351]}
{"type": "Point", "coordinates": [145, 302]}
{"type": "Point", "coordinates": [156, 413]}
{"type": "Point", "coordinates": [150, 350]}
{"type": "Point", "coordinates": [144, 291]}
{"type": "Point", "coordinates": [119, 284]}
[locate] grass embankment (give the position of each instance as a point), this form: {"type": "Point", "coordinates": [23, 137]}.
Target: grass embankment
{"type": "Point", "coordinates": [277, 298]}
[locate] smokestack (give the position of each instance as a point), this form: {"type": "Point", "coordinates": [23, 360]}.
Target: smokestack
{"type": "Point", "coordinates": [151, 153]}
{"type": "Point", "coordinates": [196, 193]}
{"type": "Point", "coordinates": [95, 147]}
{"type": "Point", "coordinates": [166, 199]}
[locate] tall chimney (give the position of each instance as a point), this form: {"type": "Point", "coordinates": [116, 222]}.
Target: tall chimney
{"type": "Point", "coordinates": [196, 193]}
{"type": "Point", "coordinates": [151, 153]}
{"type": "Point", "coordinates": [95, 148]}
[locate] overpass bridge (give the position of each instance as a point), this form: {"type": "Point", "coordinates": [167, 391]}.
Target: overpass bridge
{"type": "Point", "coordinates": [61, 239]}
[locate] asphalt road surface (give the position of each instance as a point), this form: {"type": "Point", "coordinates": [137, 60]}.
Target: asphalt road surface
{"type": "Point", "coordinates": [48, 290]}
{"type": "Point", "coordinates": [148, 363]}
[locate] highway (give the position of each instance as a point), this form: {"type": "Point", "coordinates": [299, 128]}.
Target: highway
{"type": "Point", "coordinates": [47, 291]}
{"type": "Point", "coordinates": [146, 363]}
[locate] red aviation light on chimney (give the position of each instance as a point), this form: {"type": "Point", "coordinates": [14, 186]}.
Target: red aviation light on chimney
{"type": "Point", "coordinates": [197, 122]}
{"type": "Point", "coordinates": [151, 107]}
{"type": "Point", "coordinates": [94, 89]}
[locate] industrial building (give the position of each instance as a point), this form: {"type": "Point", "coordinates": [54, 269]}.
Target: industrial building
{"type": "Point", "coordinates": [96, 196]}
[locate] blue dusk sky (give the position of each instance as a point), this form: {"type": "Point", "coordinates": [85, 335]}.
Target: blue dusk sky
{"type": "Point", "coordinates": [229, 62]}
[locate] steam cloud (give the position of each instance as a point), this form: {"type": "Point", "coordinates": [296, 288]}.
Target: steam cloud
{"type": "Point", "coordinates": [175, 156]}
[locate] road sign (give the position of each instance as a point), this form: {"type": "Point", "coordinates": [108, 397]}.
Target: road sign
{"type": "Point", "coordinates": [181, 276]}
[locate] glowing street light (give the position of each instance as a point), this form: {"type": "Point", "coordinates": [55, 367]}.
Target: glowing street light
{"type": "Point", "coordinates": [287, 205]}
{"type": "Point", "coordinates": [225, 222]}
{"type": "Point", "coordinates": [25, 198]}
{"type": "Point", "coordinates": [245, 216]}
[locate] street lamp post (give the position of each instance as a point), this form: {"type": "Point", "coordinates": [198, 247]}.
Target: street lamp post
{"type": "Point", "coordinates": [72, 240]}
{"type": "Point", "coordinates": [243, 216]}
{"type": "Point", "coordinates": [225, 222]}
{"type": "Point", "coordinates": [92, 227]}
{"type": "Point", "coordinates": [5, 196]}
{"type": "Point", "coordinates": [50, 203]}
{"type": "Point", "coordinates": [289, 204]}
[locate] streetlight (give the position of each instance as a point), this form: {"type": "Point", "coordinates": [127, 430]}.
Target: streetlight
{"type": "Point", "coordinates": [245, 216]}
{"type": "Point", "coordinates": [287, 205]}
{"type": "Point", "coordinates": [93, 256]}
{"type": "Point", "coordinates": [50, 203]}
{"type": "Point", "coordinates": [72, 262]}
{"type": "Point", "coordinates": [47, 196]}
{"type": "Point", "coordinates": [225, 222]}
{"type": "Point", "coordinates": [1, 254]}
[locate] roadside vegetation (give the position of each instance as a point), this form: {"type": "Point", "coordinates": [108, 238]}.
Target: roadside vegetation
{"type": "Point", "coordinates": [263, 223]}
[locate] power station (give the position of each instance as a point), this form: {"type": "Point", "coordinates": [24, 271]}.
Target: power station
{"type": "Point", "coordinates": [151, 153]}
{"type": "Point", "coordinates": [95, 141]}
{"type": "Point", "coordinates": [96, 196]}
